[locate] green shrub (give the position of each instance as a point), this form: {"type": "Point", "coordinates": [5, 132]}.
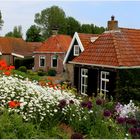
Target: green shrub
{"type": "Point", "coordinates": [41, 72]}
{"type": "Point", "coordinates": [128, 85]}
{"type": "Point", "coordinates": [13, 127]}
{"type": "Point", "coordinates": [22, 69]}
{"type": "Point", "coordinates": [52, 72]}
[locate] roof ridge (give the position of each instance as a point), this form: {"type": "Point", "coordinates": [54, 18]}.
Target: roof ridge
{"type": "Point", "coordinates": [57, 40]}
{"type": "Point", "coordinates": [117, 50]}
{"type": "Point", "coordinates": [125, 28]}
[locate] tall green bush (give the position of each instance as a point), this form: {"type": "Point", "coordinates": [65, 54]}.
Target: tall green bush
{"type": "Point", "coordinates": [128, 85]}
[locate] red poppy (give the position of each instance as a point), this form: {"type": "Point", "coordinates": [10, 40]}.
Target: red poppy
{"type": "Point", "coordinates": [7, 73]}
{"type": "Point", "coordinates": [13, 104]}
{"type": "Point", "coordinates": [11, 67]}
{"type": "Point", "coordinates": [49, 83]}
{"type": "Point", "coordinates": [3, 63]}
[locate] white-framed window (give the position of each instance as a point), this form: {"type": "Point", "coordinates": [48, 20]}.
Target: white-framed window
{"type": "Point", "coordinates": [76, 50]}
{"type": "Point", "coordinates": [54, 62]}
{"type": "Point", "coordinates": [41, 61]}
{"type": "Point", "coordinates": [84, 80]}
{"type": "Point", "coordinates": [104, 80]}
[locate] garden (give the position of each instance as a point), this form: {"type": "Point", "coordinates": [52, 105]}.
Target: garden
{"type": "Point", "coordinates": [31, 109]}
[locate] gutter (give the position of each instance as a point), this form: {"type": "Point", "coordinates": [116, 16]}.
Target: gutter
{"type": "Point", "coordinates": [17, 55]}
{"type": "Point", "coordinates": [106, 66]}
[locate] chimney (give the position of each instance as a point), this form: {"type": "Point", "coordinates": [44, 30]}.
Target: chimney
{"type": "Point", "coordinates": [54, 31]}
{"type": "Point", "coordinates": [113, 24]}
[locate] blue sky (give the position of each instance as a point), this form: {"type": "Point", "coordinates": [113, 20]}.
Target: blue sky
{"type": "Point", "coordinates": [21, 12]}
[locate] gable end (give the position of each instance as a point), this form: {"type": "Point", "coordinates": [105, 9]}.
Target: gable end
{"type": "Point", "coordinates": [75, 38]}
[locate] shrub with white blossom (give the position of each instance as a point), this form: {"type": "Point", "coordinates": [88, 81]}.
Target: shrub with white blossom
{"type": "Point", "coordinates": [32, 100]}
{"type": "Point", "coordinates": [126, 111]}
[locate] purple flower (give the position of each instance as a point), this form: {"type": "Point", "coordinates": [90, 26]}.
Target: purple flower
{"type": "Point", "coordinates": [132, 131]}
{"type": "Point", "coordinates": [71, 102]}
{"type": "Point", "coordinates": [132, 121]}
{"type": "Point", "coordinates": [89, 104]}
{"type": "Point", "coordinates": [138, 131]}
{"type": "Point", "coordinates": [77, 136]}
{"type": "Point", "coordinates": [107, 113]}
{"type": "Point", "coordinates": [120, 120]}
{"type": "Point", "coordinates": [118, 107]}
{"type": "Point", "coordinates": [128, 120]}
{"type": "Point", "coordinates": [98, 101]}
{"type": "Point", "coordinates": [84, 104]}
{"type": "Point", "coordinates": [62, 103]}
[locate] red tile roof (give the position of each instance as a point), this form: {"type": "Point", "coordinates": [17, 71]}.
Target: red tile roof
{"type": "Point", "coordinates": [85, 38]}
{"type": "Point", "coordinates": [57, 43]}
{"type": "Point", "coordinates": [120, 48]}
{"type": "Point", "coordinates": [10, 45]}
{"type": "Point", "coordinates": [34, 45]}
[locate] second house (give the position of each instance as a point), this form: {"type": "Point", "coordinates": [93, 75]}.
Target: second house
{"type": "Point", "coordinates": [51, 53]}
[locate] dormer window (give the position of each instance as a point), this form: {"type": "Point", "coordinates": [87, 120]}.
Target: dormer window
{"type": "Point", "coordinates": [76, 50]}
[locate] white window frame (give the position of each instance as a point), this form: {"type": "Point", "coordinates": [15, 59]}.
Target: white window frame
{"type": "Point", "coordinates": [76, 50]}
{"type": "Point", "coordinates": [52, 57]}
{"type": "Point", "coordinates": [104, 79]}
{"type": "Point", "coordinates": [42, 57]}
{"type": "Point", "coordinates": [84, 74]}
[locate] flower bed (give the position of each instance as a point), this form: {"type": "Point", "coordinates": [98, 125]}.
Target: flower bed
{"type": "Point", "coordinates": [45, 107]}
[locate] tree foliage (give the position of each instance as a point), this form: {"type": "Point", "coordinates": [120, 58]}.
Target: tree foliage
{"type": "Point", "coordinates": [17, 32]}
{"type": "Point", "coordinates": [1, 21]}
{"type": "Point", "coordinates": [128, 85]}
{"type": "Point", "coordinates": [50, 18]}
{"type": "Point", "coordinates": [72, 26]}
{"type": "Point", "coordinates": [54, 17]}
{"type": "Point", "coordinates": [92, 29]}
{"type": "Point", "coordinates": [33, 34]}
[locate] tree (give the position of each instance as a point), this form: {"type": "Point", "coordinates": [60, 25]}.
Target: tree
{"type": "Point", "coordinates": [9, 34]}
{"type": "Point", "coordinates": [50, 18]}
{"type": "Point", "coordinates": [86, 28]}
{"type": "Point", "coordinates": [1, 21]}
{"type": "Point", "coordinates": [72, 25]}
{"type": "Point", "coordinates": [33, 34]}
{"type": "Point", "coordinates": [97, 30]}
{"type": "Point", "coordinates": [92, 29]}
{"type": "Point", "coordinates": [17, 32]}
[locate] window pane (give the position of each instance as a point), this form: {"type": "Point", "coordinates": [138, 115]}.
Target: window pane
{"type": "Point", "coordinates": [85, 89]}
{"type": "Point", "coordinates": [82, 80]}
{"type": "Point", "coordinates": [76, 50]}
{"type": "Point", "coordinates": [54, 62]}
{"type": "Point", "coordinates": [42, 61]}
{"type": "Point", "coordinates": [82, 89]}
{"type": "Point", "coordinates": [86, 81]}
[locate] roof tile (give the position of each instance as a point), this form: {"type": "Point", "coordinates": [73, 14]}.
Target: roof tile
{"type": "Point", "coordinates": [57, 43]}
{"type": "Point", "coordinates": [113, 49]}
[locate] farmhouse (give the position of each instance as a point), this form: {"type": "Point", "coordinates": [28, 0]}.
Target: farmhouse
{"type": "Point", "coordinates": [51, 53]}
{"type": "Point", "coordinates": [96, 66]}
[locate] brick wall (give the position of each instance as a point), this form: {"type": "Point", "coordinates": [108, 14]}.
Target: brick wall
{"type": "Point", "coordinates": [48, 57]}
{"type": "Point", "coordinates": [70, 73]}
